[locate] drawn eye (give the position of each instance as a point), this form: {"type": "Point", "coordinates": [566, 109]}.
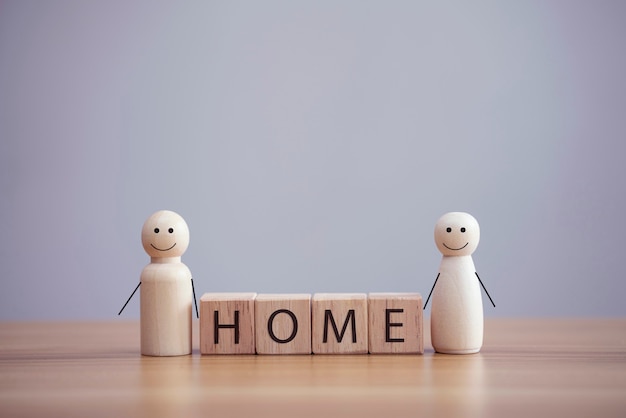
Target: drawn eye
{"type": "Point", "coordinates": [170, 230]}
{"type": "Point", "coordinates": [448, 229]}
{"type": "Point", "coordinates": [462, 229]}
{"type": "Point", "coordinates": [156, 230]}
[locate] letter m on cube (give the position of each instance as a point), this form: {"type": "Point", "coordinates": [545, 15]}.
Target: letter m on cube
{"type": "Point", "coordinates": [339, 323]}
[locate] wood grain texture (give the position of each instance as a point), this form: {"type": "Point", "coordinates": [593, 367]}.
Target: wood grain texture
{"type": "Point", "coordinates": [227, 321]}
{"type": "Point", "coordinates": [395, 323]}
{"type": "Point", "coordinates": [527, 367]}
{"type": "Point", "coordinates": [339, 323]}
{"type": "Point", "coordinates": [283, 323]}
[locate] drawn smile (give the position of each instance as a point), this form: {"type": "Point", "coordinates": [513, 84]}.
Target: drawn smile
{"type": "Point", "coordinates": [167, 249]}
{"type": "Point", "coordinates": [444, 244]}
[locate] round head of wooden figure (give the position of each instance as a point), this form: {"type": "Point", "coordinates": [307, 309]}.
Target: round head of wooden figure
{"type": "Point", "coordinates": [165, 234]}
{"type": "Point", "coordinates": [457, 233]}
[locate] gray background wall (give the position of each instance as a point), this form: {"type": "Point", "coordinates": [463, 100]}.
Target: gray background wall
{"type": "Point", "coordinates": [311, 146]}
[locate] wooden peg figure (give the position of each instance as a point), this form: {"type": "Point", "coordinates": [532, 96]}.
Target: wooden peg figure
{"type": "Point", "coordinates": [456, 320]}
{"type": "Point", "coordinates": [166, 287]}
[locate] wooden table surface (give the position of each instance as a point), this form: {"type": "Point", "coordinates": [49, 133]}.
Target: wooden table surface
{"type": "Point", "coordinates": [528, 367]}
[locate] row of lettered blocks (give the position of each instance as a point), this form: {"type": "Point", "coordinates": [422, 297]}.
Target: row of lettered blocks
{"type": "Point", "coordinates": [323, 323]}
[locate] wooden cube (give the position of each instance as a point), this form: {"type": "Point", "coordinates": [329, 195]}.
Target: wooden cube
{"type": "Point", "coordinates": [395, 323]}
{"type": "Point", "coordinates": [227, 323]}
{"type": "Point", "coordinates": [283, 323]}
{"type": "Point", "coordinates": [339, 323]}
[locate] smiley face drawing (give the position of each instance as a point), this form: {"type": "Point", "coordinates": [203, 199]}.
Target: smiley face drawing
{"type": "Point", "coordinates": [457, 233]}
{"type": "Point", "coordinates": [165, 234]}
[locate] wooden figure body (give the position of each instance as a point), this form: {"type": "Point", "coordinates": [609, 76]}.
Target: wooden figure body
{"type": "Point", "coordinates": [456, 321]}
{"type": "Point", "coordinates": [166, 287]}
{"type": "Point", "coordinates": [165, 308]}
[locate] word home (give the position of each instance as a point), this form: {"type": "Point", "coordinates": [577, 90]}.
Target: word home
{"type": "Point", "coordinates": [325, 323]}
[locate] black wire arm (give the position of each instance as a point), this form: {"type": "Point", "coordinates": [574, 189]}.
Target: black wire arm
{"type": "Point", "coordinates": [431, 291]}
{"type": "Point", "coordinates": [194, 298]}
{"type": "Point", "coordinates": [131, 296]}
{"type": "Point", "coordinates": [481, 283]}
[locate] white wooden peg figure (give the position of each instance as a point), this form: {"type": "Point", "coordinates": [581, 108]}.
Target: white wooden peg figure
{"type": "Point", "coordinates": [166, 287]}
{"type": "Point", "coordinates": [456, 319]}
